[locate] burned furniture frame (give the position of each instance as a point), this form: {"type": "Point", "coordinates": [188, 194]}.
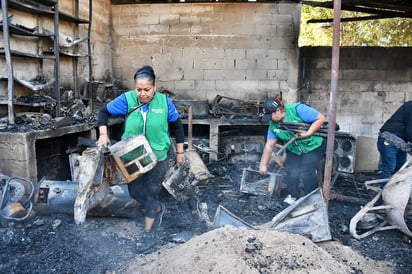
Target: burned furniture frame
{"type": "Point", "coordinates": [216, 126]}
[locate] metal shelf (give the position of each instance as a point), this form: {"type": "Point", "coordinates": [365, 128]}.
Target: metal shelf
{"type": "Point", "coordinates": [26, 55]}
{"type": "Point", "coordinates": [33, 85]}
{"type": "Point", "coordinates": [44, 8]}
{"type": "Point", "coordinates": [47, 2]}
{"type": "Point", "coordinates": [23, 31]}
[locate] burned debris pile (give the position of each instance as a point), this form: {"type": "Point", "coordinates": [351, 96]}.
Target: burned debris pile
{"type": "Point", "coordinates": [41, 111]}
{"type": "Point", "coordinates": [74, 112]}
{"type": "Point", "coordinates": [232, 194]}
{"type": "Point", "coordinates": [182, 221]}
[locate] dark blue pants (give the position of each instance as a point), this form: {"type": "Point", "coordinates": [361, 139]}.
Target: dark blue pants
{"type": "Point", "coordinates": [304, 169]}
{"type": "Point", "coordinates": [146, 188]}
{"type": "Point", "coordinates": [392, 158]}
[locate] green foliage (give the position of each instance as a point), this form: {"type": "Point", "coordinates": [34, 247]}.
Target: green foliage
{"type": "Point", "coordinates": [393, 32]}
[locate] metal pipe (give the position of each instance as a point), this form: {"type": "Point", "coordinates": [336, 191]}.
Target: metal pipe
{"type": "Point", "coordinates": [57, 59]}
{"type": "Point", "coordinates": [190, 129]}
{"type": "Point", "coordinates": [281, 150]}
{"type": "Point", "coordinates": [10, 77]}
{"type": "Point", "coordinates": [333, 99]}
{"type": "Point", "coordinates": [89, 48]}
{"type": "Point", "coordinates": [76, 51]}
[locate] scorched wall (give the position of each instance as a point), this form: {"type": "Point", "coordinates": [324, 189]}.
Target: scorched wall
{"type": "Point", "coordinates": [240, 50]}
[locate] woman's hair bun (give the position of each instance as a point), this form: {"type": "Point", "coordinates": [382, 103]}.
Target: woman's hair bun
{"type": "Point", "coordinates": [145, 72]}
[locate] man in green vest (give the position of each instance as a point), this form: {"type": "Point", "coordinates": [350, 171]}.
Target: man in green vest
{"type": "Point", "coordinates": [305, 154]}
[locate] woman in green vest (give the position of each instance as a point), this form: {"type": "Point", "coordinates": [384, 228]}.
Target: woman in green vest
{"type": "Point", "coordinates": [305, 154]}
{"type": "Point", "coordinates": [153, 119]}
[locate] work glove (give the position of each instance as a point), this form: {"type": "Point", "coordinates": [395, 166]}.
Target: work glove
{"type": "Point", "coordinates": [409, 147]}
{"type": "Point", "coordinates": [406, 146]}
{"type": "Point", "coordinates": [397, 141]}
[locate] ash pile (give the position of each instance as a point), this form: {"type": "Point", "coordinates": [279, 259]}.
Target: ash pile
{"type": "Point", "coordinates": [106, 241]}
{"type": "Point", "coordinates": [39, 219]}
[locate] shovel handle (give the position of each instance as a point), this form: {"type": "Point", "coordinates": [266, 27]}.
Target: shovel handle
{"type": "Point", "coordinates": [280, 151]}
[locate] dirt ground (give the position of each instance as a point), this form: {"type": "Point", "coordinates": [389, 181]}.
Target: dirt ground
{"type": "Point", "coordinates": [55, 244]}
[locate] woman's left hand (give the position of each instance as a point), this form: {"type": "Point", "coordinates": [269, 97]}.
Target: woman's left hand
{"type": "Point", "coordinates": [180, 159]}
{"type": "Point", "coordinates": [303, 135]}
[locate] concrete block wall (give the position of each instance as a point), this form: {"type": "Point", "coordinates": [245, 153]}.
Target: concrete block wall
{"type": "Point", "coordinates": [240, 50]}
{"type": "Point", "coordinates": [373, 83]}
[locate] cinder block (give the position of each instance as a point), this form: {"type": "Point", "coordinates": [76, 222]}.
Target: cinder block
{"type": "Point", "coordinates": [150, 19]}
{"type": "Point", "coordinates": [278, 54]}
{"type": "Point", "coordinates": [395, 97]}
{"type": "Point", "coordinates": [127, 20]}
{"type": "Point", "coordinates": [213, 63]}
{"type": "Point", "coordinates": [190, 19]}
{"type": "Point", "coordinates": [185, 84]}
{"type": "Point", "coordinates": [205, 85]}
{"type": "Point", "coordinates": [268, 64]}
{"type": "Point", "coordinates": [246, 64]}
{"type": "Point", "coordinates": [241, 89]}
{"type": "Point", "coordinates": [193, 74]}
{"type": "Point", "coordinates": [277, 74]}
{"type": "Point", "coordinates": [169, 19]}
{"type": "Point", "coordinates": [198, 8]}
{"type": "Point", "coordinates": [215, 74]}
{"type": "Point", "coordinates": [159, 29]}
{"type": "Point", "coordinates": [286, 8]}
{"type": "Point", "coordinates": [254, 74]}
{"type": "Point", "coordinates": [235, 53]}
{"type": "Point", "coordinates": [281, 19]}
{"type": "Point", "coordinates": [285, 30]}
{"type": "Point", "coordinates": [269, 85]}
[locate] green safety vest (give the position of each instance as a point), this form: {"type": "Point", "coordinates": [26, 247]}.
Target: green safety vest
{"type": "Point", "coordinates": [157, 127]}
{"type": "Point", "coordinates": [300, 145]}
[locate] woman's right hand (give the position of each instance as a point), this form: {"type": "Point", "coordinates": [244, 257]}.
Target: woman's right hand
{"type": "Point", "coordinates": [263, 169]}
{"type": "Point", "coordinates": [103, 141]}
{"type": "Point", "coordinates": [180, 159]}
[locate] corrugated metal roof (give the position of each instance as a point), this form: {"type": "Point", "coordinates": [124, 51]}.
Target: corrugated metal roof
{"type": "Point", "coordinates": [376, 9]}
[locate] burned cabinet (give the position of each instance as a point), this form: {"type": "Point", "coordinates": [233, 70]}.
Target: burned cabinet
{"type": "Point", "coordinates": [34, 44]}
